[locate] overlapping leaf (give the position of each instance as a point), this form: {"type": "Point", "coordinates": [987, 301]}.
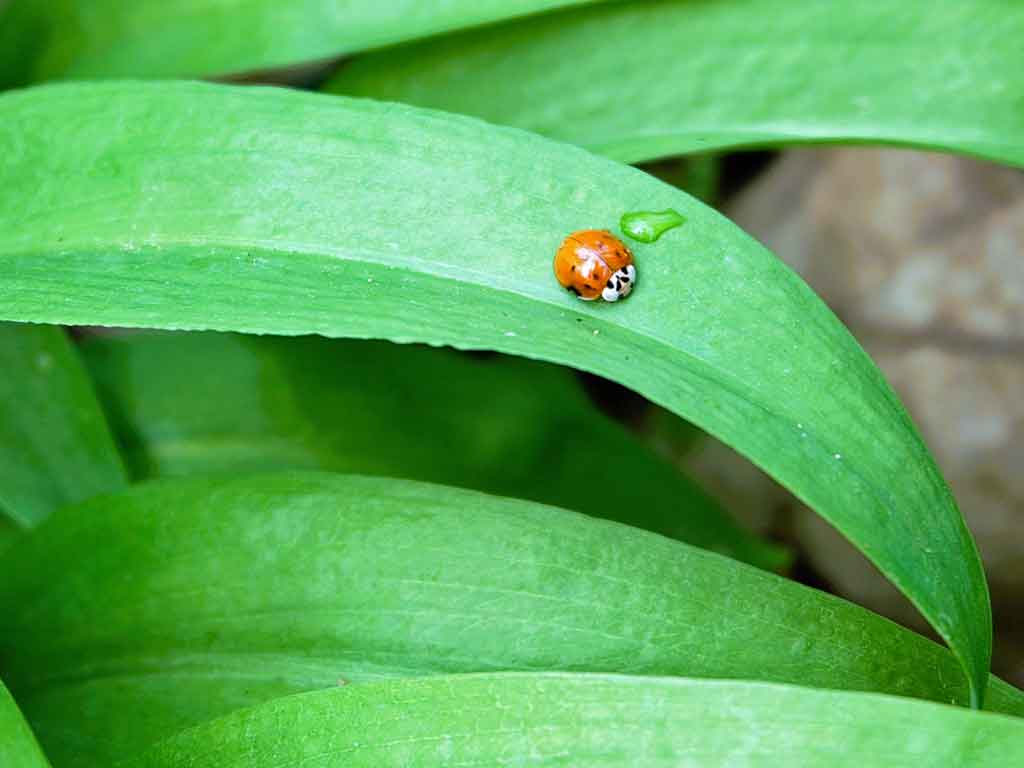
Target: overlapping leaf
{"type": "Point", "coordinates": [659, 77]}
{"type": "Point", "coordinates": [196, 206]}
{"type": "Point", "coordinates": [195, 403]}
{"type": "Point", "coordinates": [18, 747]}
{"type": "Point", "coordinates": [43, 39]}
{"type": "Point", "coordinates": [558, 720]}
{"type": "Point", "coordinates": [200, 596]}
{"type": "Point", "coordinates": [55, 446]}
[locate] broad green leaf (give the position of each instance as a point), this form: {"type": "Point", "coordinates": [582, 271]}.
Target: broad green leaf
{"type": "Point", "coordinates": [649, 79]}
{"type": "Point", "coordinates": [593, 720]}
{"type": "Point", "coordinates": [43, 39]}
{"type": "Point", "coordinates": [55, 446]}
{"type": "Point", "coordinates": [200, 596]}
{"type": "Point", "coordinates": [200, 403]}
{"type": "Point", "coordinates": [18, 747]}
{"type": "Point", "coordinates": [184, 205]}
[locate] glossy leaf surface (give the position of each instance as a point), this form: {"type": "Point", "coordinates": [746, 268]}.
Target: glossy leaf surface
{"type": "Point", "coordinates": [261, 210]}
{"type": "Point", "coordinates": [200, 596]}
{"type": "Point", "coordinates": [648, 79]}
{"type": "Point", "coordinates": [589, 720]}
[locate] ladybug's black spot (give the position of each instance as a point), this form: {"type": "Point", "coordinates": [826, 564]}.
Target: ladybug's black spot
{"type": "Point", "coordinates": [573, 268]}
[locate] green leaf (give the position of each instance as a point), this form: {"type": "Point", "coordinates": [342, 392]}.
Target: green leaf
{"type": "Point", "coordinates": [55, 446]}
{"type": "Point", "coordinates": [9, 531]}
{"type": "Point", "coordinates": [184, 205]}
{"type": "Point", "coordinates": [649, 79]}
{"type": "Point", "coordinates": [593, 720]}
{"type": "Point", "coordinates": [200, 596]}
{"type": "Point", "coordinates": [18, 747]}
{"type": "Point", "coordinates": [200, 403]}
{"type": "Point", "coordinates": [43, 39]}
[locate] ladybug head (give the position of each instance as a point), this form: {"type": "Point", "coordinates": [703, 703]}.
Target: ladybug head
{"type": "Point", "coordinates": [620, 284]}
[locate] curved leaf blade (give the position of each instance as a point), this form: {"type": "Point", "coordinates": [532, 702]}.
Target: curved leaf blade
{"type": "Point", "coordinates": [55, 445]}
{"type": "Point", "coordinates": [46, 39]}
{"type": "Point", "coordinates": [18, 747]}
{"type": "Point", "coordinates": [196, 206]}
{"type": "Point", "coordinates": [655, 78]}
{"type": "Point", "coordinates": [557, 720]}
{"type": "Point", "coordinates": [191, 403]}
{"type": "Point", "coordinates": [200, 596]}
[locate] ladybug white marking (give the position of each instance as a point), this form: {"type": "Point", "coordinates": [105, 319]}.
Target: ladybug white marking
{"type": "Point", "coordinates": [620, 284]}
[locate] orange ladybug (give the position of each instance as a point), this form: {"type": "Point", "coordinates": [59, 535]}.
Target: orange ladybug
{"type": "Point", "coordinates": [593, 263]}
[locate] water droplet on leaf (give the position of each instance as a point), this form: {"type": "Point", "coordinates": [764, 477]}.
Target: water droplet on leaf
{"type": "Point", "coordinates": [648, 226]}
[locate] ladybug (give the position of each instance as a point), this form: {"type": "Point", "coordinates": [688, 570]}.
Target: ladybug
{"type": "Point", "coordinates": [592, 263]}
